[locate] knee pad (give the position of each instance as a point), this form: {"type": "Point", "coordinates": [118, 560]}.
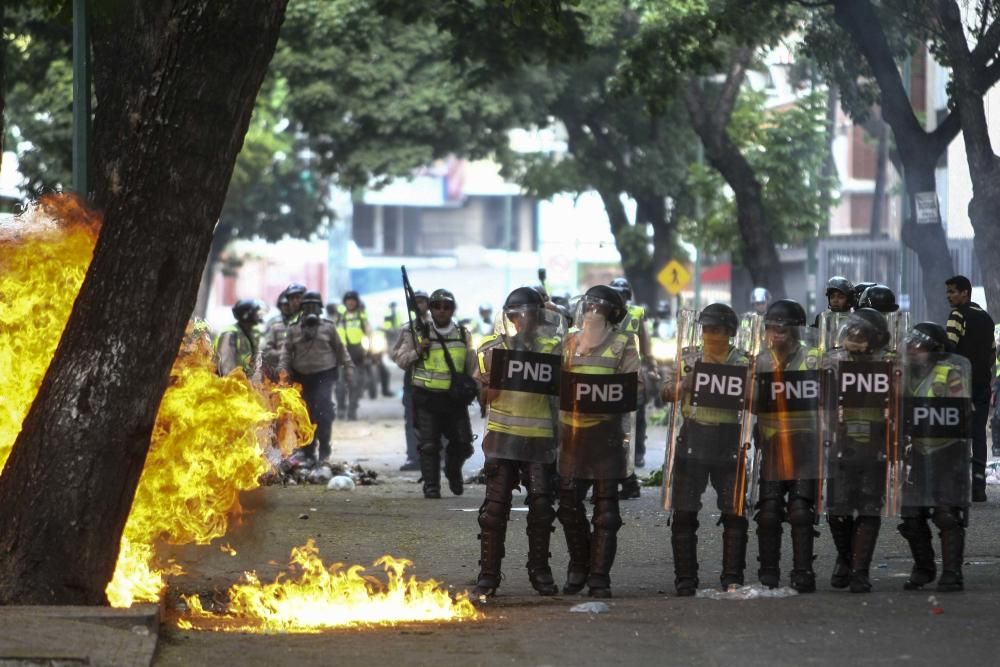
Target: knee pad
{"type": "Point", "coordinates": [459, 450]}
{"type": "Point", "coordinates": [913, 527]}
{"type": "Point", "coordinates": [607, 520]}
{"type": "Point", "coordinates": [770, 513]}
{"type": "Point", "coordinates": [540, 510]}
{"type": "Point", "coordinates": [429, 448]}
{"type": "Point", "coordinates": [801, 512]}
{"type": "Point", "coordinates": [732, 521]}
{"type": "Point", "coordinates": [945, 518]}
{"type": "Point", "coordinates": [493, 515]}
{"type": "Point", "coordinates": [571, 514]}
{"type": "Point", "coordinates": [685, 522]}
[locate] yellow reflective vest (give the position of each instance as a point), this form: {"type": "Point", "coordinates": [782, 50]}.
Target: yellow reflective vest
{"type": "Point", "coordinates": [433, 373]}
{"type": "Point", "coordinates": [352, 326]}
{"type": "Point", "coordinates": [518, 412]}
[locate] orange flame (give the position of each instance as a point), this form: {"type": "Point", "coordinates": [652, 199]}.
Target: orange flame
{"type": "Point", "coordinates": [321, 598]}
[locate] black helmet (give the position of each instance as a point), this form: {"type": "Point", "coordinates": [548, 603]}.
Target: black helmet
{"type": "Point", "coordinates": [312, 297]}
{"type": "Point", "coordinates": [859, 290]}
{"type": "Point", "coordinates": [295, 289]}
{"type": "Point", "coordinates": [785, 313]}
{"type": "Point", "coordinates": [521, 297]}
{"type": "Point", "coordinates": [623, 286]}
{"type": "Point", "coordinates": [880, 298]}
{"type": "Point", "coordinates": [440, 295]}
{"type": "Point", "coordinates": [244, 310]}
{"type": "Point", "coordinates": [869, 324]}
{"type": "Point", "coordinates": [719, 315]}
{"type": "Point", "coordinates": [614, 299]}
{"type": "Point", "coordinates": [839, 284]}
{"type": "Point", "coordinates": [351, 294]}
{"type": "Point", "coordinates": [488, 308]}
{"type": "Point", "coordinates": [282, 300]}
{"type": "Point", "coordinates": [420, 294]}
{"type": "Point", "coordinates": [931, 335]}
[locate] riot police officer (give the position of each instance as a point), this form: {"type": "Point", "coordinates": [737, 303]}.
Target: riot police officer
{"type": "Point", "coordinates": [289, 305]}
{"type": "Point", "coordinates": [422, 314]}
{"type": "Point", "coordinates": [859, 289]}
{"type": "Point", "coordinates": [787, 397]}
{"type": "Point", "coordinates": [859, 453]}
{"type": "Point", "coordinates": [520, 440]}
{"type": "Point", "coordinates": [436, 413]}
{"type": "Point", "coordinates": [352, 325]}
{"type": "Point", "coordinates": [236, 345]}
{"type": "Point", "coordinates": [760, 298]}
{"type": "Point", "coordinates": [707, 388]}
{"type": "Point", "coordinates": [313, 356]}
{"type": "Point", "coordinates": [595, 433]}
{"type": "Point", "coordinates": [839, 295]}
{"type": "Point", "coordinates": [937, 455]}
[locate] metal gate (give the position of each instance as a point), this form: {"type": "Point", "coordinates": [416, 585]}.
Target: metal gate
{"type": "Point", "coordinates": [880, 260]}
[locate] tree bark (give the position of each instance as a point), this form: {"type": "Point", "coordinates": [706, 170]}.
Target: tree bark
{"type": "Point", "coordinates": [167, 129]}
{"type": "Point", "coordinates": [651, 209]}
{"type": "Point", "coordinates": [3, 78]}
{"type": "Point", "coordinates": [759, 251]}
{"type": "Point", "coordinates": [983, 163]}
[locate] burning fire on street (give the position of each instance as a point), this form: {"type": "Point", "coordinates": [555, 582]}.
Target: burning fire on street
{"type": "Point", "coordinates": [213, 438]}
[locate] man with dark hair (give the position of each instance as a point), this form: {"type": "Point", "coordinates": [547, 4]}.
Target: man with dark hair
{"type": "Point", "coordinates": [970, 334]}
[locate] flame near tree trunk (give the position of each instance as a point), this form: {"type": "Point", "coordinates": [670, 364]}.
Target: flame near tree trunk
{"type": "Point", "coordinates": [208, 444]}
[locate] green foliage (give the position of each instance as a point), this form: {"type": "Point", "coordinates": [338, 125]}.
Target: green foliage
{"type": "Point", "coordinates": [787, 150]}
{"type": "Point", "coordinates": [378, 96]}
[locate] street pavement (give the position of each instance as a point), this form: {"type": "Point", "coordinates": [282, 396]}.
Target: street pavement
{"type": "Point", "coordinates": [645, 622]}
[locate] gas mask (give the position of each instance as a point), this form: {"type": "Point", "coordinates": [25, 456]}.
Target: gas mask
{"type": "Point", "coordinates": [716, 344]}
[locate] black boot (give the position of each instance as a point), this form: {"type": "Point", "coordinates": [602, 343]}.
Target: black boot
{"type": "Point", "coordinates": [842, 532]}
{"type": "Point", "coordinates": [573, 518]}
{"type": "Point", "coordinates": [539, 572]}
{"type": "Point", "coordinates": [734, 550]}
{"type": "Point", "coordinates": [802, 516]}
{"type": "Point", "coordinates": [918, 536]}
{"type": "Point", "coordinates": [604, 545]}
{"type": "Point", "coordinates": [430, 472]}
{"type": "Point", "coordinates": [952, 550]}
{"type": "Point", "coordinates": [684, 543]}
{"type": "Point", "coordinates": [455, 456]}
{"type": "Point", "coordinates": [769, 547]}
{"type": "Point", "coordinates": [803, 578]}
{"type": "Point", "coordinates": [862, 549]}
{"type": "Point", "coordinates": [491, 553]}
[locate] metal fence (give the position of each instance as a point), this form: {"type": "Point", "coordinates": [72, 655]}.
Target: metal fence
{"type": "Point", "coordinates": [879, 260]}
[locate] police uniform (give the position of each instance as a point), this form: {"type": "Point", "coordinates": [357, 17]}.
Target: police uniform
{"type": "Point", "coordinates": [352, 325]}
{"type": "Point", "coordinates": [436, 414]}
{"type": "Point", "coordinates": [520, 445]}
{"type": "Point", "coordinates": [313, 355]}
{"type": "Point", "coordinates": [235, 349]}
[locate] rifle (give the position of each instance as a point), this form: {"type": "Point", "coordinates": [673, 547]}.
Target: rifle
{"type": "Point", "coordinates": [411, 309]}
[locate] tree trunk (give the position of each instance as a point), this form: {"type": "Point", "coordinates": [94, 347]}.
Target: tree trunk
{"type": "Point", "coordinates": [928, 241]}
{"type": "Point", "coordinates": [167, 129]}
{"type": "Point", "coordinates": [220, 239]}
{"type": "Point", "coordinates": [651, 209]}
{"type": "Point", "coordinates": [881, 175]}
{"type": "Point", "coordinates": [760, 253]}
{"type": "Point", "coordinates": [919, 150]}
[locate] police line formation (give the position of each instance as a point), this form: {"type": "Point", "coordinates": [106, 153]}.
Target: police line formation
{"type": "Point", "coordinates": [858, 416]}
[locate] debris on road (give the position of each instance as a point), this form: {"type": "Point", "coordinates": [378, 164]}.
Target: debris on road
{"type": "Point", "coordinates": [591, 608]}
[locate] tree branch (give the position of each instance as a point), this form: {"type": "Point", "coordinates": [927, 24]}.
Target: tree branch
{"type": "Point", "coordinates": [986, 46]}
{"type": "Point", "coordinates": [859, 20]}
{"type": "Point", "coordinates": [731, 87]}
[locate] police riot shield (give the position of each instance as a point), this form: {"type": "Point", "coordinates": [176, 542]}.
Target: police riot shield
{"type": "Point", "coordinates": [862, 464]}
{"type": "Point", "coordinates": [828, 328]}
{"type": "Point", "coordinates": [935, 434]}
{"type": "Point", "coordinates": [521, 366]}
{"type": "Point", "coordinates": [787, 381]}
{"type": "Point", "coordinates": [598, 394]}
{"type": "Point", "coordinates": [709, 391]}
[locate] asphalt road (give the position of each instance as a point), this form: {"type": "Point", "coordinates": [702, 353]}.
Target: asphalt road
{"type": "Point", "coordinates": [645, 623]}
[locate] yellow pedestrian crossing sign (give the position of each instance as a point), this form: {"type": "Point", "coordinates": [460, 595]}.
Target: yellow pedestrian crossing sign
{"type": "Point", "coordinates": [674, 277]}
